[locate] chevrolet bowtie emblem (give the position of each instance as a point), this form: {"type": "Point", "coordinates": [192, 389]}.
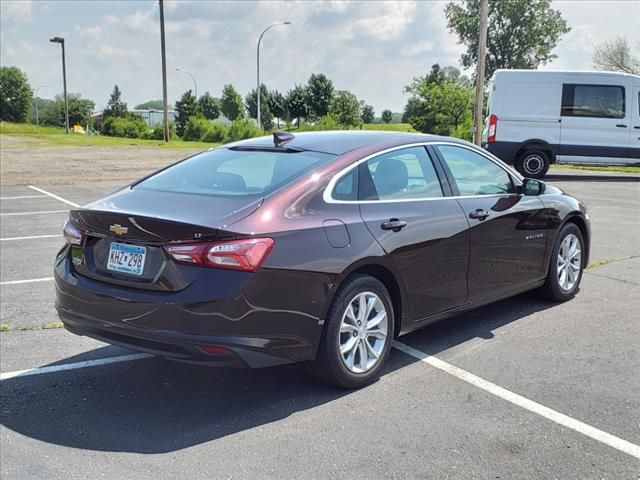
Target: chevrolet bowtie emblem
{"type": "Point", "coordinates": [118, 229]}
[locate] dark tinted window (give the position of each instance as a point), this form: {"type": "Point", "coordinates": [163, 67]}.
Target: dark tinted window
{"type": "Point", "coordinates": [603, 101]}
{"type": "Point", "coordinates": [402, 174]}
{"type": "Point", "coordinates": [234, 173]}
{"type": "Point", "coordinates": [475, 174]}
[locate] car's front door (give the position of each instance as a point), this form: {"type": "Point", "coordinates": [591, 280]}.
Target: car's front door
{"type": "Point", "coordinates": [403, 204]}
{"type": "Point", "coordinates": [634, 135]}
{"type": "Point", "coordinates": [508, 231]}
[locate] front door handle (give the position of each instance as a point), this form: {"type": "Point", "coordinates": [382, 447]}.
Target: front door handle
{"type": "Point", "coordinates": [621, 125]}
{"type": "Point", "coordinates": [393, 224]}
{"type": "Point", "coordinates": [479, 214]}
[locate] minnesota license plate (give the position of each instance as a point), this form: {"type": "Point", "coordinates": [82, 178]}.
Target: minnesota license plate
{"type": "Point", "coordinates": [126, 258]}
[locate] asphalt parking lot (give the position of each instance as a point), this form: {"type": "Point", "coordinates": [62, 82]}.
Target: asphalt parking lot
{"type": "Point", "coordinates": [522, 389]}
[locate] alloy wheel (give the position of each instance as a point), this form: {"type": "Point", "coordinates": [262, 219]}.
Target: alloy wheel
{"type": "Point", "coordinates": [363, 332]}
{"type": "Point", "coordinates": [569, 262]}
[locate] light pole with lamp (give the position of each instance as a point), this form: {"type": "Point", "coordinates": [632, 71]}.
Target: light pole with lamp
{"type": "Point", "coordinates": [195, 85]}
{"type": "Point", "coordinates": [60, 40]}
{"type": "Point", "coordinates": [36, 102]}
{"type": "Point", "coordinates": [258, 66]}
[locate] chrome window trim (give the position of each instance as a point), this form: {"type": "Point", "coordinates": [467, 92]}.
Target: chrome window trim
{"type": "Point", "coordinates": [328, 198]}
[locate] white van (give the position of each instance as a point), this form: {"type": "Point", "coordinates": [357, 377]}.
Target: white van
{"type": "Point", "coordinates": [535, 118]}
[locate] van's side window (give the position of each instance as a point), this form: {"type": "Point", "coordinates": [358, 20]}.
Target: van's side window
{"type": "Point", "coordinates": [600, 101]}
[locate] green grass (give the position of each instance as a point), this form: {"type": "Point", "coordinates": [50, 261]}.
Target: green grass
{"type": "Point", "coordinates": [601, 168]}
{"type": "Point", "coordinates": [5, 327]}
{"type": "Point", "coordinates": [607, 261]}
{"type": "Point", "coordinates": [35, 136]}
{"type": "Point", "coordinates": [390, 127]}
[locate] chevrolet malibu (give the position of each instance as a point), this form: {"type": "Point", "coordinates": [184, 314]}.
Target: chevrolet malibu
{"type": "Point", "coordinates": [318, 248]}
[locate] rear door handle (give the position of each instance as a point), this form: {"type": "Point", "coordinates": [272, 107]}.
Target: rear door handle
{"type": "Point", "coordinates": [479, 214]}
{"type": "Point", "coordinates": [620, 125]}
{"type": "Point", "coordinates": [393, 224]}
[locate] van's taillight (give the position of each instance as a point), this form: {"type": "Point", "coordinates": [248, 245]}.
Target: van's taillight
{"type": "Point", "coordinates": [245, 254]}
{"type": "Point", "coordinates": [493, 125]}
{"type": "Point", "coordinates": [72, 234]}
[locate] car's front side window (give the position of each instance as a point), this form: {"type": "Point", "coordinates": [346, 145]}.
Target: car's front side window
{"type": "Point", "coordinates": [475, 174]}
{"type": "Point", "coordinates": [405, 174]}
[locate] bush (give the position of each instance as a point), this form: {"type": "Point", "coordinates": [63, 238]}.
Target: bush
{"type": "Point", "coordinates": [196, 128]}
{"type": "Point", "coordinates": [328, 122]}
{"type": "Point", "coordinates": [216, 134]}
{"type": "Point", "coordinates": [129, 127]}
{"type": "Point", "coordinates": [157, 132]}
{"type": "Point", "coordinates": [240, 129]}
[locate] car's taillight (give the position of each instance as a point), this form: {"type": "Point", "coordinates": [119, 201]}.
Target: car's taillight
{"type": "Point", "coordinates": [493, 125]}
{"type": "Point", "coordinates": [245, 254]}
{"type": "Point", "coordinates": [72, 234]}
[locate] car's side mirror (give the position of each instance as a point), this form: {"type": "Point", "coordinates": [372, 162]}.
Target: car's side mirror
{"type": "Point", "coordinates": [531, 186]}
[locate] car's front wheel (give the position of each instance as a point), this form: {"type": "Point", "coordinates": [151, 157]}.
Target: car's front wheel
{"type": "Point", "coordinates": [566, 265]}
{"type": "Point", "coordinates": [357, 336]}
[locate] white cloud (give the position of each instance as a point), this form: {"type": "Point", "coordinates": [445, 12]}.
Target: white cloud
{"type": "Point", "coordinates": [16, 11]}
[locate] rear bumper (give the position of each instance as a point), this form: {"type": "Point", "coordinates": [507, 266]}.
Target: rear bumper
{"type": "Point", "coordinates": [505, 151]}
{"type": "Point", "coordinates": [185, 348]}
{"type": "Point", "coordinates": [255, 331]}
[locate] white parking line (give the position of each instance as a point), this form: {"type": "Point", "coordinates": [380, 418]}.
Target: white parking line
{"type": "Point", "coordinates": [534, 407]}
{"type": "Point", "coordinates": [73, 366]}
{"type": "Point", "coordinates": [32, 280]}
{"type": "Point", "coordinates": [9, 239]}
{"type": "Point", "coordinates": [20, 197]}
{"type": "Point", "coordinates": [53, 195]}
{"type": "Point", "coordinates": [15, 214]}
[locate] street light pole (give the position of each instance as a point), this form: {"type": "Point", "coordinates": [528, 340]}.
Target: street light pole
{"type": "Point", "coordinates": [36, 102]}
{"type": "Point", "coordinates": [258, 66]}
{"type": "Point", "coordinates": [165, 104]}
{"type": "Point", "coordinates": [60, 40]}
{"type": "Point", "coordinates": [482, 56]}
{"type": "Point", "coordinates": [195, 84]}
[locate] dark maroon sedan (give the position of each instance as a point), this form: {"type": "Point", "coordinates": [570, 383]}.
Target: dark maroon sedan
{"type": "Point", "coordinates": [318, 248]}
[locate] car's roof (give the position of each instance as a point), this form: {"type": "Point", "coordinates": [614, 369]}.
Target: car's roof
{"type": "Point", "coordinates": [339, 142]}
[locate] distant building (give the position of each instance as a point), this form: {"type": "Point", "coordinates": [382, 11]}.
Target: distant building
{"type": "Point", "coordinates": [153, 116]}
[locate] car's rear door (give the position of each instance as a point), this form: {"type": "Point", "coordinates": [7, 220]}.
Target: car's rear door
{"type": "Point", "coordinates": [404, 203]}
{"type": "Point", "coordinates": [507, 233]}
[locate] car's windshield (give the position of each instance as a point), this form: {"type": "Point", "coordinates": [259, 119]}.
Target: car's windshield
{"type": "Point", "coordinates": [226, 172]}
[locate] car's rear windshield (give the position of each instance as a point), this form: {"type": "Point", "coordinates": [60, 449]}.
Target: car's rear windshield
{"type": "Point", "coordinates": [230, 172]}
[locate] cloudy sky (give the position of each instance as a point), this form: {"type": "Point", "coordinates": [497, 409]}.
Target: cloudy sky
{"type": "Point", "coordinates": [371, 48]}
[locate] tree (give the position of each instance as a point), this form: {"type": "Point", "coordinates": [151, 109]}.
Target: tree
{"type": "Point", "coordinates": [80, 111]}
{"type": "Point", "coordinates": [209, 106]}
{"type": "Point", "coordinates": [616, 56]}
{"type": "Point", "coordinates": [345, 108]}
{"type": "Point", "coordinates": [296, 103]}
{"type": "Point", "coordinates": [251, 102]}
{"type": "Point", "coordinates": [520, 33]}
{"type": "Point", "coordinates": [15, 95]}
{"type": "Point", "coordinates": [319, 95]}
{"type": "Point", "coordinates": [387, 115]}
{"type": "Point", "coordinates": [231, 103]}
{"type": "Point", "coordinates": [440, 102]}
{"type": "Point", "coordinates": [185, 108]}
{"type": "Point", "coordinates": [151, 105]}
{"type": "Point", "coordinates": [277, 105]}
{"type": "Point", "coordinates": [115, 106]}
{"type": "Point", "coordinates": [367, 114]}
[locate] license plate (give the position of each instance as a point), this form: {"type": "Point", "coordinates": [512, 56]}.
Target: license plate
{"type": "Point", "coordinates": [126, 258]}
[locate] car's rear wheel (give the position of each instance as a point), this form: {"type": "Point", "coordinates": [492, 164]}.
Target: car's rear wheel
{"type": "Point", "coordinates": [357, 336]}
{"type": "Point", "coordinates": [533, 163]}
{"type": "Point", "coordinates": [566, 265]}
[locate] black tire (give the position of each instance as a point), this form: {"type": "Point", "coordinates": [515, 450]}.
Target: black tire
{"type": "Point", "coordinates": [328, 366]}
{"type": "Point", "coordinates": [552, 290]}
{"type": "Point", "coordinates": [533, 164]}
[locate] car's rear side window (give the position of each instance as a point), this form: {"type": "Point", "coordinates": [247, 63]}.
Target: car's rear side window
{"type": "Point", "coordinates": [228, 172]}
